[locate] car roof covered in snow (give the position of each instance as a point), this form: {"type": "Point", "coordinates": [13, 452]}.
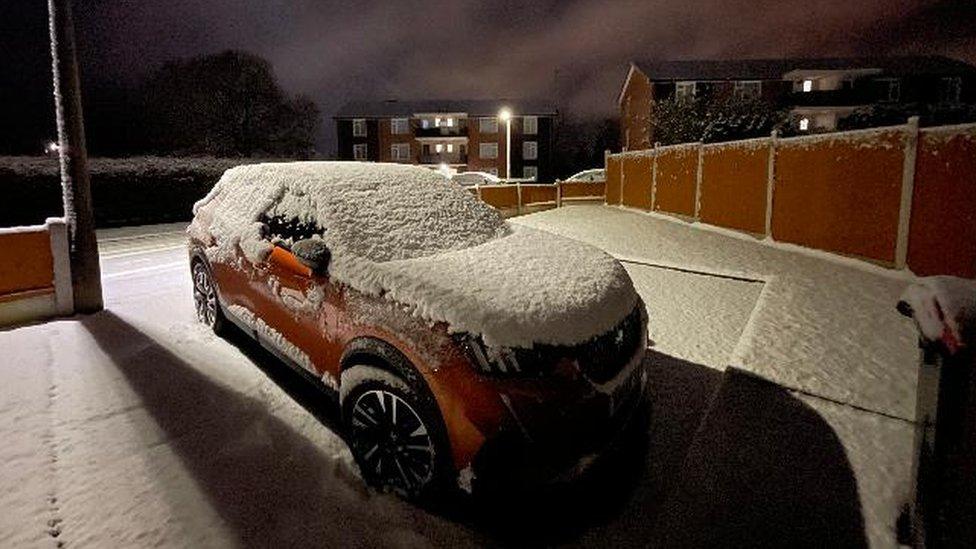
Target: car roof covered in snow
{"type": "Point", "coordinates": [380, 212]}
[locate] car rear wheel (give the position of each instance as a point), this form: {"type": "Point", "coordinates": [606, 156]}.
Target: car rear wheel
{"type": "Point", "coordinates": [395, 434]}
{"type": "Point", "coordinates": [205, 298]}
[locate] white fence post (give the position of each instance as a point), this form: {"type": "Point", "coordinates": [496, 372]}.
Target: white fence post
{"type": "Point", "coordinates": [654, 174]}
{"type": "Point", "coordinates": [698, 180]}
{"type": "Point", "coordinates": [771, 181]}
{"type": "Point", "coordinates": [907, 190]}
{"type": "Point", "coordinates": [64, 298]}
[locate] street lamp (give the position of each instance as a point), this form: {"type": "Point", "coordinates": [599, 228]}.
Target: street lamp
{"type": "Point", "coordinates": [506, 116]}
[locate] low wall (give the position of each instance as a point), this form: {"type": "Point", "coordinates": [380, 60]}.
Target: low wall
{"type": "Point", "coordinates": [35, 277]}
{"type": "Point", "coordinates": [897, 196]}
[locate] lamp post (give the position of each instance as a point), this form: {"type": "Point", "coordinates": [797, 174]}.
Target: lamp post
{"type": "Point", "coordinates": [506, 115]}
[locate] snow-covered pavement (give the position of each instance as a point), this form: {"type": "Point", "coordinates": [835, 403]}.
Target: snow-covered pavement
{"type": "Point", "coordinates": [137, 427]}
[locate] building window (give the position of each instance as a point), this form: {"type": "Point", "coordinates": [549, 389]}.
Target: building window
{"type": "Point", "coordinates": [530, 172]}
{"type": "Point", "coordinates": [400, 151]}
{"type": "Point", "coordinates": [891, 90]}
{"type": "Point", "coordinates": [684, 91]}
{"type": "Point", "coordinates": [807, 85]}
{"type": "Point", "coordinates": [488, 150]}
{"type": "Point", "coordinates": [530, 125]}
{"type": "Point", "coordinates": [400, 126]}
{"type": "Point", "coordinates": [748, 89]}
{"type": "Point", "coordinates": [450, 148]}
{"type": "Point", "coordinates": [439, 148]}
{"type": "Point", "coordinates": [530, 150]}
{"type": "Point", "coordinates": [488, 125]}
{"type": "Point", "coordinates": [359, 127]}
{"type": "Point", "coordinates": [804, 124]}
{"type": "Point", "coordinates": [359, 151]}
{"type": "Point", "coordinates": [950, 89]}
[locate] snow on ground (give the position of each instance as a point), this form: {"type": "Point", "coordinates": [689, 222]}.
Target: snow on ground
{"type": "Point", "coordinates": [823, 327]}
{"type": "Point", "coordinates": [136, 426]}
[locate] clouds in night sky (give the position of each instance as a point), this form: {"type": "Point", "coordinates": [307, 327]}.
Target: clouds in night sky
{"type": "Point", "coordinates": [336, 51]}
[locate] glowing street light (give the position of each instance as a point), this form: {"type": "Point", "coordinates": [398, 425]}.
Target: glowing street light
{"type": "Point", "coordinates": [505, 115]}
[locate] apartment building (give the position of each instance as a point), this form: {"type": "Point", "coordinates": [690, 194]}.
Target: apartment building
{"type": "Point", "coordinates": [819, 93]}
{"type": "Point", "coordinates": [455, 136]}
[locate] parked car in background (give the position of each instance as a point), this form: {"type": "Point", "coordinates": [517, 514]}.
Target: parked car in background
{"type": "Point", "coordinates": [598, 174]}
{"type": "Point", "coordinates": [470, 179]}
{"type": "Point", "coordinates": [359, 277]}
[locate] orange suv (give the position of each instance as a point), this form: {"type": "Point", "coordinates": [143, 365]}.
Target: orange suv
{"type": "Point", "coordinates": [464, 350]}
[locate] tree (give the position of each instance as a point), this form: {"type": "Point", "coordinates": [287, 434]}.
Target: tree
{"type": "Point", "coordinates": [712, 120]}
{"type": "Point", "coordinates": [227, 104]}
{"type": "Point", "coordinates": [580, 144]}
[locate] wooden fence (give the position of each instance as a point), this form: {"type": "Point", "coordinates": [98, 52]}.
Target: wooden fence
{"type": "Point", "coordinates": [519, 198]}
{"type": "Point", "coordinates": [898, 196]}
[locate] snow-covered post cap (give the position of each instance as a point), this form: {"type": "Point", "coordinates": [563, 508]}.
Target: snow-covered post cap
{"type": "Point", "coordinates": [944, 310]}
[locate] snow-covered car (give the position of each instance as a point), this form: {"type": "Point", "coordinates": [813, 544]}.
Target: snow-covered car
{"type": "Point", "coordinates": [589, 176]}
{"type": "Point", "coordinates": [463, 350]}
{"type": "Point", "coordinates": [469, 179]}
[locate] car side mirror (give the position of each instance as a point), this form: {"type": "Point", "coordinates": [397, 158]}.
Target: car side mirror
{"type": "Point", "coordinates": [313, 253]}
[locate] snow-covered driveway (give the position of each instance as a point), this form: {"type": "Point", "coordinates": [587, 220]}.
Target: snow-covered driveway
{"type": "Point", "coordinates": [136, 427]}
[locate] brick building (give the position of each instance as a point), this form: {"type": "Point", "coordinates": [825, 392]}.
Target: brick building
{"type": "Point", "coordinates": [459, 135]}
{"type": "Point", "coordinates": [818, 92]}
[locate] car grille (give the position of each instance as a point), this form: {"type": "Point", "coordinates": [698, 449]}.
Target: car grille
{"type": "Point", "coordinates": [600, 358]}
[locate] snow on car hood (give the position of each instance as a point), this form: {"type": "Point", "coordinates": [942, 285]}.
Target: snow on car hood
{"type": "Point", "coordinates": [528, 287]}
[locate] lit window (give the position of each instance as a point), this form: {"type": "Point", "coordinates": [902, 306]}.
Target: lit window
{"type": "Point", "coordinates": [439, 148]}
{"type": "Point", "coordinates": [450, 148]}
{"type": "Point", "coordinates": [530, 172]}
{"type": "Point", "coordinates": [359, 151]}
{"type": "Point", "coordinates": [530, 150]}
{"type": "Point", "coordinates": [359, 127]}
{"type": "Point", "coordinates": [400, 126]}
{"type": "Point", "coordinates": [488, 150]}
{"type": "Point", "coordinates": [425, 123]}
{"type": "Point", "coordinates": [684, 90]}
{"type": "Point", "coordinates": [488, 125]}
{"type": "Point", "coordinates": [804, 124]}
{"type": "Point", "coordinates": [808, 85]}
{"type": "Point", "coordinates": [530, 125]}
{"type": "Point", "coordinates": [437, 122]}
{"type": "Point", "coordinates": [450, 122]}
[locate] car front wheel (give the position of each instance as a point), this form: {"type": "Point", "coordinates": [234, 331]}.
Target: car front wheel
{"type": "Point", "coordinates": [395, 435]}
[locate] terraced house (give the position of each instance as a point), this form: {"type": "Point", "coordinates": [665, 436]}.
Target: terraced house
{"type": "Point", "coordinates": [454, 136]}
{"type": "Point", "coordinates": [818, 93]}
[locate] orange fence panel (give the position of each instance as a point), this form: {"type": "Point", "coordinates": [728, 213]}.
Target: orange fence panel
{"type": "Point", "coordinates": [840, 193]}
{"type": "Point", "coordinates": [535, 194]}
{"type": "Point", "coordinates": [942, 232]}
{"type": "Point", "coordinates": [637, 182]}
{"type": "Point", "coordinates": [500, 196]}
{"type": "Point", "coordinates": [733, 186]}
{"type": "Point", "coordinates": [613, 180]}
{"type": "Point", "coordinates": [677, 174]}
{"type": "Point", "coordinates": [584, 189]}
{"type": "Point", "coordinates": [25, 261]}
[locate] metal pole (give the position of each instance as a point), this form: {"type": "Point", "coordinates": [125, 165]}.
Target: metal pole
{"type": "Point", "coordinates": [76, 185]}
{"type": "Point", "coordinates": [508, 148]}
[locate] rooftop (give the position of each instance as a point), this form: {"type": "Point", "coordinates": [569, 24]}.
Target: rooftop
{"type": "Point", "coordinates": [774, 69]}
{"type": "Point", "coordinates": [473, 107]}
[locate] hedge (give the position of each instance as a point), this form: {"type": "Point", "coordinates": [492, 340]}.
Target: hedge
{"type": "Point", "coordinates": [129, 191]}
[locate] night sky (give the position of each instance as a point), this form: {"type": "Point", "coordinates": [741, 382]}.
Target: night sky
{"type": "Point", "coordinates": [574, 52]}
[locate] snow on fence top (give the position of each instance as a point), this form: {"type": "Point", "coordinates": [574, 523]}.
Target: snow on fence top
{"type": "Point", "coordinates": [414, 236]}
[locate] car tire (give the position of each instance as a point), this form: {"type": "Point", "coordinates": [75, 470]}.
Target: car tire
{"type": "Point", "coordinates": [395, 433]}
{"type": "Point", "coordinates": [206, 302]}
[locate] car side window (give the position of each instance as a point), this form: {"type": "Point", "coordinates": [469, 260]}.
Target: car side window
{"type": "Point", "coordinates": [290, 219]}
